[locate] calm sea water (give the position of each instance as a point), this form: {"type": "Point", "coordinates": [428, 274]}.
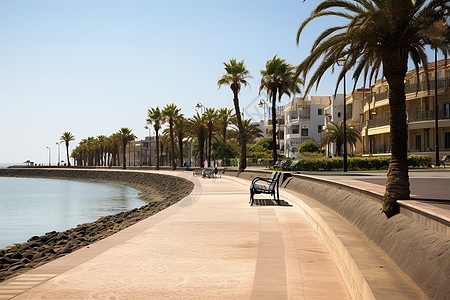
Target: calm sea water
{"type": "Point", "coordinates": [31, 206]}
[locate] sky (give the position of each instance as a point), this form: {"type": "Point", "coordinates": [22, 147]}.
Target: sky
{"type": "Point", "coordinates": [91, 67]}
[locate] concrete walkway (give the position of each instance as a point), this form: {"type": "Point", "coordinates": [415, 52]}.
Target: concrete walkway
{"type": "Point", "coordinates": [211, 245]}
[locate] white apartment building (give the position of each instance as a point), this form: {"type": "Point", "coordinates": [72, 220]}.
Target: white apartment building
{"type": "Point", "coordinates": [304, 119]}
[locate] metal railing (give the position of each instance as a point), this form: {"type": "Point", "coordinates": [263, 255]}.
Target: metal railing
{"type": "Point", "coordinates": [378, 122]}
{"type": "Point", "coordinates": [414, 116]}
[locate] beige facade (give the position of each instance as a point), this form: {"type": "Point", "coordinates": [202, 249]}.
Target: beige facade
{"type": "Point", "coordinates": [420, 107]}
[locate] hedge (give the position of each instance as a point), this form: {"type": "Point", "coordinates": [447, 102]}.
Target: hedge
{"type": "Point", "coordinates": [354, 163]}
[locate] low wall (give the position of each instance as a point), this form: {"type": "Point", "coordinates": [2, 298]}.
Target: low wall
{"type": "Point", "coordinates": [159, 190]}
{"type": "Point", "coordinates": [420, 252]}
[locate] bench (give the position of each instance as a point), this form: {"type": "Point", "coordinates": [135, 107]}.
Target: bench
{"type": "Point", "coordinates": [444, 159]}
{"type": "Point", "coordinates": [209, 173]}
{"type": "Point", "coordinates": [265, 186]}
{"type": "Point", "coordinates": [197, 172]}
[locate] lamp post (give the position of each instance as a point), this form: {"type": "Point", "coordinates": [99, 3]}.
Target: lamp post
{"type": "Point", "coordinates": [149, 146]}
{"type": "Point", "coordinates": [200, 107]}
{"type": "Point", "coordinates": [49, 157]}
{"type": "Point", "coordinates": [59, 152]}
{"type": "Point", "coordinates": [436, 108]}
{"type": "Point", "coordinates": [341, 63]}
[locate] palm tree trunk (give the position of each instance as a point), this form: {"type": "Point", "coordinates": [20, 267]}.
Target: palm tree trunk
{"type": "Point", "coordinates": [242, 137]}
{"type": "Point", "coordinates": [124, 157]}
{"type": "Point", "coordinates": [172, 146]}
{"type": "Point", "coordinates": [201, 149]}
{"type": "Point", "coordinates": [397, 181]}
{"type": "Point", "coordinates": [157, 151]}
{"type": "Point", "coordinates": [67, 153]}
{"type": "Point", "coordinates": [274, 125]}
{"type": "Point", "coordinates": [209, 148]}
{"type": "Point", "coordinates": [180, 146]}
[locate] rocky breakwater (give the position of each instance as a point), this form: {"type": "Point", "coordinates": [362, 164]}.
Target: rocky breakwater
{"type": "Point", "coordinates": [160, 191]}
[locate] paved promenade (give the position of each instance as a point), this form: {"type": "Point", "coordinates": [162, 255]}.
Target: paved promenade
{"type": "Point", "coordinates": [211, 245]}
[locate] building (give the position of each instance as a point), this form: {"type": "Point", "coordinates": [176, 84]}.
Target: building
{"type": "Point", "coordinates": [420, 107]}
{"type": "Point", "coordinates": [300, 120]}
{"type": "Point", "coordinates": [142, 153]}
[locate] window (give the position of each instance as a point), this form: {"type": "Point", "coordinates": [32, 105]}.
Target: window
{"type": "Point", "coordinates": [319, 112]}
{"type": "Point", "coordinates": [319, 128]}
{"type": "Point", "coordinates": [447, 140]}
{"type": "Point", "coordinates": [304, 131]}
{"type": "Point", "coordinates": [294, 130]}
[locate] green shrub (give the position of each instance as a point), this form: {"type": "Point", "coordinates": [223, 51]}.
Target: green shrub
{"type": "Point", "coordinates": [354, 163]}
{"type": "Point", "coordinates": [308, 146]}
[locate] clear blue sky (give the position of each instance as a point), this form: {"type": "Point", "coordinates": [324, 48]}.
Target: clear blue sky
{"type": "Point", "coordinates": [91, 67]}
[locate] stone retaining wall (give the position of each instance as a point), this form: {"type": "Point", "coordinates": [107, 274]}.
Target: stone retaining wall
{"type": "Point", "coordinates": [159, 190]}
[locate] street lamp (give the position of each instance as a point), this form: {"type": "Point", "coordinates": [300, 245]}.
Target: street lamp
{"type": "Point", "coordinates": [59, 152]}
{"type": "Point", "coordinates": [436, 107]}
{"type": "Point", "coordinates": [341, 63]}
{"type": "Point", "coordinates": [263, 104]}
{"type": "Point", "coordinates": [149, 146]}
{"type": "Point", "coordinates": [200, 107]}
{"type": "Point", "coordinates": [49, 157]}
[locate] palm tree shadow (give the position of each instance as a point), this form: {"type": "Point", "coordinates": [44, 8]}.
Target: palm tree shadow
{"type": "Point", "coordinates": [270, 202]}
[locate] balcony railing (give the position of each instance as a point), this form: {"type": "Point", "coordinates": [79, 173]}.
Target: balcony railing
{"type": "Point", "coordinates": [378, 122]}
{"type": "Point", "coordinates": [442, 83]}
{"type": "Point", "coordinates": [377, 149]}
{"type": "Point", "coordinates": [414, 116]}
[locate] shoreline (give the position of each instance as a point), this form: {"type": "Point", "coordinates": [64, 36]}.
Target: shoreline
{"type": "Point", "coordinates": [158, 190]}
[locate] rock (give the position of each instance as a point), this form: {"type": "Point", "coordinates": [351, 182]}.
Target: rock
{"type": "Point", "coordinates": [16, 255]}
{"type": "Point", "coordinates": [34, 238]}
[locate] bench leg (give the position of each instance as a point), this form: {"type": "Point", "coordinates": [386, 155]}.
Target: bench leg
{"type": "Point", "coordinates": [252, 200]}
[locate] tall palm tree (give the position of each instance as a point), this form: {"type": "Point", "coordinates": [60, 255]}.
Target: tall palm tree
{"type": "Point", "coordinates": [126, 136]}
{"type": "Point", "coordinates": [171, 112]}
{"type": "Point", "coordinates": [156, 118]}
{"type": "Point", "coordinates": [236, 75]}
{"type": "Point", "coordinates": [378, 35]}
{"type": "Point", "coordinates": [67, 137]}
{"type": "Point", "coordinates": [277, 78]}
{"type": "Point", "coordinates": [210, 118]}
{"type": "Point", "coordinates": [102, 143]}
{"type": "Point", "coordinates": [335, 133]}
{"type": "Point", "coordinates": [224, 116]}
{"type": "Point", "coordinates": [180, 127]}
{"type": "Point", "coordinates": [197, 126]}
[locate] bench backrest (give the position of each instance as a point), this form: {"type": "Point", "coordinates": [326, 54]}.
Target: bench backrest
{"type": "Point", "coordinates": [274, 179]}
{"type": "Point", "coordinates": [444, 158]}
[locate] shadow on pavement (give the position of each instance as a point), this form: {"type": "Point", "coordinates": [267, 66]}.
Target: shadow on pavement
{"type": "Point", "coordinates": [270, 202]}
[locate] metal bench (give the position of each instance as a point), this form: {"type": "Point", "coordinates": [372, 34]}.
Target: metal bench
{"type": "Point", "coordinates": [209, 173]}
{"type": "Point", "coordinates": [197, 172]}
{"type": "Point", "coordinates": [265, 186]}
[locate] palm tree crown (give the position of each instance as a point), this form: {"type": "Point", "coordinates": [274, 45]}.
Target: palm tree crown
{"type": "Point", "coordinates": [335, 133]}
{"type": "Point", "coordinates": [379, 35]}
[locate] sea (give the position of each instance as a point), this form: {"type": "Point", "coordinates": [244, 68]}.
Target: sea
{"type": "Point", "coordinates": [34, 206]}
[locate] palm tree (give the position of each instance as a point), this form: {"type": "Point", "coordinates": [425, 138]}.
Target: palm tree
{"type": "Point", "coordinates": [335, 133]}
{"type": "Point", "coordinates": [171, 112]}
{"type": "Point", "coordinates": [67, 137]}
{"type": "Point", "coordinates": [210, 117]}
{"type": "Point", "coordinates": [251, 131]}
{"type": "Point", "coordinates": [126, 136]}
{"type": "Point", "coordinates": [380, 34]}
{"type": "Point", "coordinates": [180, 127]}
{"type": "Point", "coordinates": [198, 129]}
{"type": "Point", "coordinates": [236, 74]}
{"type": "Point", "coordinates": [224, 116]}
{"type": "Point", "coordinates": [156, 118]}
{"type": "Point", "coordinates": [102, 143]}
{"type": "Point", "coordinates": [278, 77]}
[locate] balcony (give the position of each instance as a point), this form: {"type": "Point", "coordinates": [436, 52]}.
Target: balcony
{"type": "Point", "coordinates": [378, 122]}
{"type": "Point", "coordinates": [297, 141]}
{"type": "Point", "coordinates": [415, 116]}
{"type": "Point", "coordinates": [378, 149]}
{"type": "Point", "coordinates": [442, 83]}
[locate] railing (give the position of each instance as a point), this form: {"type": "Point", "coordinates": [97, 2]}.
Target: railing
{"type": "Point", "coordinates": [422, 86]}
{"type": "Point", "coordinates": [382, 148]}
{"type": "Point", "coordinates": [378, 122]}
{"type": "Point", "coordinates": [442, 83]}
{"type": "Point", "coordinates": [414, 116]}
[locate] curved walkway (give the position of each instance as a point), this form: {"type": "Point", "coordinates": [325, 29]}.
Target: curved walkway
{"type": "Point", "coordinates": [210, 245]}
